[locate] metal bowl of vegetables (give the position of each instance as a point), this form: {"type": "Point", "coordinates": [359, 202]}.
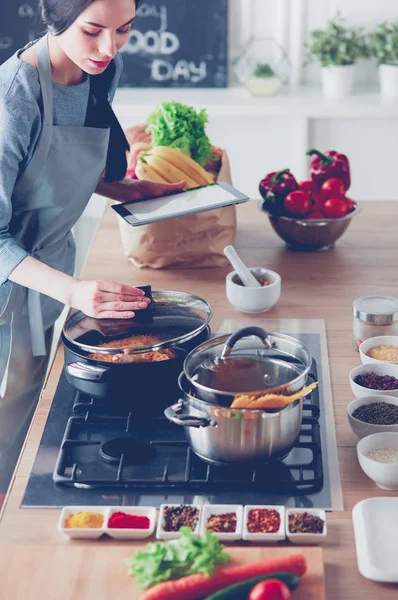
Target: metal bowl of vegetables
{"type": "Point", "coordinates": [311, 214]}
{"type": "Point", "coordinates": [310, 234]}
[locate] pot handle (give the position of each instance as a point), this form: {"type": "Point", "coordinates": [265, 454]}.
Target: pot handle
{"type": "Point", "coordinates": [185, 420]}
{"type": "Point", "coordinates": [86, 372]}
{"type": "Point", "coordinates": [245, 332]}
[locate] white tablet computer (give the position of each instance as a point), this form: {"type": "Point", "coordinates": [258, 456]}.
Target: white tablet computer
{"type": "Point", "coordinates": [195, 200]}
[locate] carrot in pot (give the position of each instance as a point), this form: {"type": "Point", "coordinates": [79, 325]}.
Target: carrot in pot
{"type": "Point", "coordinates": [193, 587]}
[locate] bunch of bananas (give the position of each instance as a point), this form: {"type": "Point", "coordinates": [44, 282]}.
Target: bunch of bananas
{"type": "Point", "coordinates": [168, 165]}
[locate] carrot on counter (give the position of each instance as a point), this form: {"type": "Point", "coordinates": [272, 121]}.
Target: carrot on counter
{"type": "Point", "coordinates": [193, 587]}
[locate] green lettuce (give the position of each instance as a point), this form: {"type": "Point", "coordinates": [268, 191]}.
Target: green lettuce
{"type": "Point", "coordinates": [186, 555]}
{"type": "Point", "coordinates": [180, 126]}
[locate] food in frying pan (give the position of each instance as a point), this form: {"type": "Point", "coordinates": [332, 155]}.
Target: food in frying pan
{"type": "Point", "coordinates": [269, 401]}
{"type": "Point", "coordinates": [135, 341]}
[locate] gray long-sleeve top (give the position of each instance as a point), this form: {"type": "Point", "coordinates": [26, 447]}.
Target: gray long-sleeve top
{"type": "Point", "coordinates": [20, 127]}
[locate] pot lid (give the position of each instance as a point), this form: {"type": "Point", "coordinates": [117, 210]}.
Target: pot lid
{"type": "Point", "coordinates": [171, 319]}
{"type": "Point", "coordinates": [238, 363]}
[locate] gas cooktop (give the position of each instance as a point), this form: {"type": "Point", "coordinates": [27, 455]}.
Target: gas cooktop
{"type": "Point", "coordinates": [100, 452]}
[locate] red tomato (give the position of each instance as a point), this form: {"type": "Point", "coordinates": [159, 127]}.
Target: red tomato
{"type": "Point", "coordinates": [298, 203]}
{"type": "Point", "coordinates": [270, 589]}
{"type": "Point", "coordinates": [306, 186]}
{"type": "Point", "coordinates": [332, 188]}
{"type": "Point", "coordinates": [350, 204]}
{"type": "Point", "coordinates": [335, 208]}
{"type": "Point", "coordinates": [315, 214]}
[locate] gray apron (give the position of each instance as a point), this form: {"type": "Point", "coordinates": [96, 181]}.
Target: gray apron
{"type": "Point", "coordinates": [48, 199]}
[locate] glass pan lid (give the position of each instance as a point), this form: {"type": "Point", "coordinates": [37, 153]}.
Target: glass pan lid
{"type": "Point", "coordinates": [177, 317]}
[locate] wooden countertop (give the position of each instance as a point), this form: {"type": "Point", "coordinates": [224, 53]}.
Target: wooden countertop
{"type": "Point", "coordinates": [315, 285]}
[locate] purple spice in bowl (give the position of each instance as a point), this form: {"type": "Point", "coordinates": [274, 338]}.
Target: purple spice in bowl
{"type": "Point", "coordinates": [373, 381]}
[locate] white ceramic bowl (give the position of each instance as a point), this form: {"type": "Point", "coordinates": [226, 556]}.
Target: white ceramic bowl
{"type": "Point", "coordinates": [380, 340]}
{"type": "Point", "coordinates": [254, 299]}
{"type": "Point", "coordinates": [264, 537]}
{"type": "Point", "coordinates": [306, 538]}
{"type": "Point", "coordinates": [362, 429]}
{"type": "Point", "coordinates": [381, 368]}
{"type": "Point", "coordinates": [384, 475]}
{"type": "Point", "coordinates": [219, 509]}
{"type": "Point", "coordinates": [161, 534]}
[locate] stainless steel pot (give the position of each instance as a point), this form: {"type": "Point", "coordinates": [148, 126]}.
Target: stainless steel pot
{"type": "Point", "coordinates": [226, 366]}
{"type": "Point", "coordinates": [221, 435]}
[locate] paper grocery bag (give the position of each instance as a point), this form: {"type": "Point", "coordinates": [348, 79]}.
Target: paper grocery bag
{"type": "Point", "coordinates": [190, 241]}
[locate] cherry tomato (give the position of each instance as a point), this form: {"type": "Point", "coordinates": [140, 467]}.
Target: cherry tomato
{"type": "Point", "coordinates": [298, 203]}
{"type": "Point", "coordinates": [270, 589]}
{"type": "Point", "coordinates": [332, 188]}
{"type": "Point", "coordinates": [306, 186]}
{"type": "Point", "coordinates": [335, 208]}
{"type": "Point", "coordinates": [350, 204]}
{"type": "Point", "coordinates": [315, 214]}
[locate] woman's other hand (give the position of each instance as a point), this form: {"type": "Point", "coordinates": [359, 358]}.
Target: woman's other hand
{"type": "Point", "coordinates": [135, 189]}
{"type": "Point", "coordinates": [107, 299]}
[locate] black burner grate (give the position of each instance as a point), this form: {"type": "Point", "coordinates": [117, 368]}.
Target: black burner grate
{"type": "Point", "coordinates": [171, 465]}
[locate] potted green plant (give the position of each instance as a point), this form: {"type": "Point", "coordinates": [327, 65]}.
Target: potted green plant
{"type": "Point", "coordinates": [383, 45]}
{"type": "Point", "coordinates": [337, 49]}
{"type": "Point", "coordinates": [263, 81]}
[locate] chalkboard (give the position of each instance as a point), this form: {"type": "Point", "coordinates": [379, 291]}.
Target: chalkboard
{"type": "Point", "coordinates": [173, 43]}
{"type": "Point", "coordinates": [20, 23]}
{"type": "Point", "coordinates": [178, 43]}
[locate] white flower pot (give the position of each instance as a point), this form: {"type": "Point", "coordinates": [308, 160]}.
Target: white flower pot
{"type": "Point", "coordinates": [338, 81]}
{"type": "Point", "coordinates": [388, 76]}
{"type": "Point", "coordinates": [263, 86]}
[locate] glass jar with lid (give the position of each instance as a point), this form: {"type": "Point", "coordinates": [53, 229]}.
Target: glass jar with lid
{"type": "Point", "coordinates": [374, 316]}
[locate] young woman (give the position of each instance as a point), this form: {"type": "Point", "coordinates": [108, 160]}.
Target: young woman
{"type": "Point", "coordinates": [59, 142]}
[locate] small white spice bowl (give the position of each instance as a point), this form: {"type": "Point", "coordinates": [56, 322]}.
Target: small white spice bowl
{"type": "Point", "coordinates": [161, 534]}
{"type": "Point", "coordinates": [384, 475]}
{"type": "Point", "coordinates": [264, 537]}
{"type": "Point", "coordinates": [132, 534]}
{"type": "Point", "coordinates": [87, 533]}
{"type": "Point", "coordinates": [381, 368]}
{"type": "Point", "coordinates": [380, 340]}
{"type": "Point", "coordinates": [306, 538]}
{"type": "Point", "coordinates": [362, 429]}
{"type": "Point", "coordinates": [219, 509]}
{"type": "Point", "coordinates": [254, 299]}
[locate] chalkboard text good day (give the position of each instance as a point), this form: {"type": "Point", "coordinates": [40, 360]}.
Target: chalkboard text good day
{"type": "Point", "coordinates": [178, 43]}
{"type": "Point", "coordinates": [173, 43]}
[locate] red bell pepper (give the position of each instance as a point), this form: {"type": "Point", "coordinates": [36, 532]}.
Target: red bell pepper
{"type": "Point", "coordinates": [278, 184]}
{"type": "Point", "coordinates": [329, 165]}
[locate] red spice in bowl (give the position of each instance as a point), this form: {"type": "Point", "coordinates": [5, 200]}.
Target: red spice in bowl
{"type": "Point", "coordinates": [121, 520]}
{"type": "Point", "coordinates": [263, 520]}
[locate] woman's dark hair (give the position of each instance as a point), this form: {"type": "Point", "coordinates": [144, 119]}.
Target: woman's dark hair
{"type": "Point", "coordinates": [58, 16]}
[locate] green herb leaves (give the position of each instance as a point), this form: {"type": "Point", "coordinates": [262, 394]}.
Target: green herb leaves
{"type": "Point", "coordinates": [383, 43]}
{"type": "Point", "coordinates": [337, 44]}
{"type": "Point", "coordinates": [181, 127]}
{"type": "Point", "coordinates": [161, 561]}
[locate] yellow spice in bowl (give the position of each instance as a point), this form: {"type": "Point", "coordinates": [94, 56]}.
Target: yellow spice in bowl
{"type": "Point", "coordinates": [384, 352]}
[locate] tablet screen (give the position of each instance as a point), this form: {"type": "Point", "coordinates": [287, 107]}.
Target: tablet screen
{"type": "Point", "coordinates": [191, 201]}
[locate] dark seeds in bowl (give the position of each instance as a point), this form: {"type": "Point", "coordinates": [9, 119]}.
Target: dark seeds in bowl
{"type": "Point", "coordinates": [373, 381]}
{"type": "Point", "coordinates": [377, 413]}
